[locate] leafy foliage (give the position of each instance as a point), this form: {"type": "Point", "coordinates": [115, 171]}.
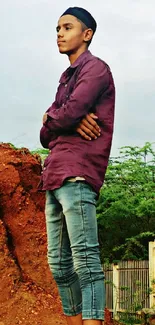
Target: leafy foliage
{"type": "Point", "coordinates": [126, 206]}
{"type": "Point", "coordinates": [40, 151]}
{"type": "Point", "coordinates": [43, 153]}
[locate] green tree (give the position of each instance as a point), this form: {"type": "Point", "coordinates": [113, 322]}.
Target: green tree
{"type": "Point", "coordinates": [126, 206]}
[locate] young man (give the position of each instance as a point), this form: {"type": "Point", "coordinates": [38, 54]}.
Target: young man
{"type": "Point", "coordinates": [78, 130]}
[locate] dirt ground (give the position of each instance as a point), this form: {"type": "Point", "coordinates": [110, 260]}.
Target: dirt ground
{"type": "Point", "coordinates": [28, 294]}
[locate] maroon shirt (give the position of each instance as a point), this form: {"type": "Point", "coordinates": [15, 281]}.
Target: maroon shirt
{"type": "Point", "coordinates": [86, 86]}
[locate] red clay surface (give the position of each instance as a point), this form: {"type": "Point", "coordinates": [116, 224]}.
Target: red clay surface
{"type": "Point", "coordinates": [28, 294]}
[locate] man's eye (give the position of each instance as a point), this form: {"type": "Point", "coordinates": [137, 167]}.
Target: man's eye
{"type": "Point", "coordinates": [67, 28]}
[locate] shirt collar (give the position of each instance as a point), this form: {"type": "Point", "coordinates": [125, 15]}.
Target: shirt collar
{"type": "Point", "coordinates": [79, 60]}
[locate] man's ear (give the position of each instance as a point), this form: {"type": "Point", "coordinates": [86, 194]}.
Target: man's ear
{"type": "Point", "coordinates": [88, 34]}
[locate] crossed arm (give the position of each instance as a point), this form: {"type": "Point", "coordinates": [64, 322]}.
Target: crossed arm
{"type": "Point", "coordinates": [87, 128]}
{"type": "Point", "coordinates": [75, 114]}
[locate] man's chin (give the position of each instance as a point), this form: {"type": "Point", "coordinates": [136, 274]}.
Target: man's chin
{"type": "Point", "coordinates": [64, 51]}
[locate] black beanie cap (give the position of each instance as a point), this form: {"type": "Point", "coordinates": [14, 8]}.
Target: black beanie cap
{"type": "Point", "coordinates": [83, 15]}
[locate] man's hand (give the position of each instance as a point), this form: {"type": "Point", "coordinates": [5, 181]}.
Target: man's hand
{"type": "Point", "coordinates": [44, 118]}
{"type": "Point", "coordinates": [88, 127]}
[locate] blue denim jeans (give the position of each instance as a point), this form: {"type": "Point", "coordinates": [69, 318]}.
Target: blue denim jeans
{"type": "Point", "coordinates": [73, 249]}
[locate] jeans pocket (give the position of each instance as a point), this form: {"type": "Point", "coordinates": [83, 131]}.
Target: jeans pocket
{"type": "Point", "coordinates": [89, 192]}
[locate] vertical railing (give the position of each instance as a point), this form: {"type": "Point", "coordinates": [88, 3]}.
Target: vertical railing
{"type": "Point", "coordinates": [152, 272]}
{"type": "Point", "coordinates": [133, 275]}
{"type": "Point", "coordinates": [108, 271]}
{"type": "Point", "coordinates": [115, 289]}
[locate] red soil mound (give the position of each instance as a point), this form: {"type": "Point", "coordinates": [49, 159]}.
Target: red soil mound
{"type": "Point", "coordinates": [28, 294]}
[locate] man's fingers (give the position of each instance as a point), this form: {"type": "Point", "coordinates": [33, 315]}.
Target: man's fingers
{"type": "Point", "coordinates": [83, 134]}
{"type": "Point", "coordinates": [89, 129]}
{"type": "Point", "coordinates": [95, 129]}
{"type": "Point", "coordinates": [93, 115]}
{"type": "Point", "coordinates": [90, 133]}
{"type": "Point", "coordinates": [91, 121]}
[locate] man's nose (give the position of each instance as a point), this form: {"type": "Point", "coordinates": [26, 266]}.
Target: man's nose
{"type": "Point", "coordinates": [60, 33]}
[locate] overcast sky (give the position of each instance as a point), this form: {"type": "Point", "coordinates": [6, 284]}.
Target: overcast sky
{"type": "Point", "coordinates": [31, 65]}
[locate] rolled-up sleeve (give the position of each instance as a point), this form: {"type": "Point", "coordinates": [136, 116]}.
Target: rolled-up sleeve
{"type": "Point", "coordinates": [91, 82]}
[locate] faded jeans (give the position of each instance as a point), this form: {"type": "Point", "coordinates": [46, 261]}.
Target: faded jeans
{"type": "Point", "coordinates": [73, 249]}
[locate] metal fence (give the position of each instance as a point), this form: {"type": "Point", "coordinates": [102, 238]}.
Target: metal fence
{"type": "Point", "coordinates": [127, 285]}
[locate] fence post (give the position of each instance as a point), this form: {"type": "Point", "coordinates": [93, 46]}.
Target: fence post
{"type": "Point", "coordinates": [152, 272]}
{"type": "Point", "coordinates": [115, 288]}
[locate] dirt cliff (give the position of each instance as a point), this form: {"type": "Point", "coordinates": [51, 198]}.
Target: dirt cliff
{"type": "Point", "coordinates": [28, 294]}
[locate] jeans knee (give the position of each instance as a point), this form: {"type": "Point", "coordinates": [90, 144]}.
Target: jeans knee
{"type": "Point", "coordinates": [62, 276]}
{"type": "Point", "coordinates": [88, 272]}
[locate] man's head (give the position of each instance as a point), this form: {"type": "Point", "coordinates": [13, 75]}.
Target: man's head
{"type": "Point", "coordinates": [75, 29]}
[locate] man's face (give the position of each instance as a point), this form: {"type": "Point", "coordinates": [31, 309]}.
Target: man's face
{"type": "Point", "coordinates": [70, 36]}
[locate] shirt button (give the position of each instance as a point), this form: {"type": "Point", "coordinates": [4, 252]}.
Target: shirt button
{"type": "Point", "coordinates": [65, 85]}
{"type": "Point", "coordinates": [63, 104]}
